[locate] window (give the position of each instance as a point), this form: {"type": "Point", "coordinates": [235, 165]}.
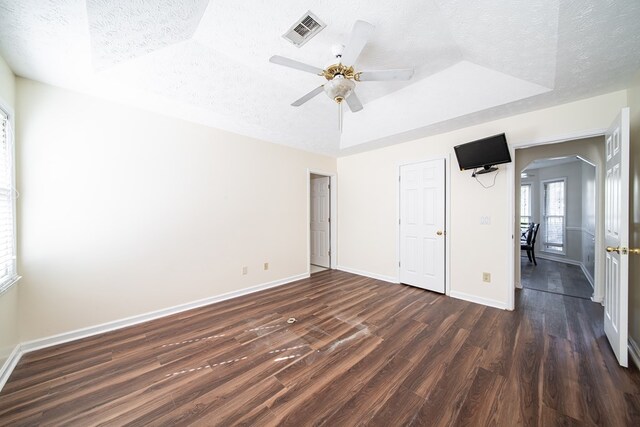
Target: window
{"type": "Point", "coordinates": [525, 204]}
{"type": "Point", "coordinates": [8, 273]}
{"type": "Point", "coordinates": [554, 216]}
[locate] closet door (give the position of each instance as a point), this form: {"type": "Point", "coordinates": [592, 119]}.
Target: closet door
{"type": "Point", "coordinates": [422, 225]}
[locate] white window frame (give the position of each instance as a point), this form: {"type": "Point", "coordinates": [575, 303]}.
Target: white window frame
{"type": "Point", "coordinates": [543, 216]}
{"type": "Point", "coordinates": [14, 278]}
{"type": "Point", "coordinates": [530, 216]}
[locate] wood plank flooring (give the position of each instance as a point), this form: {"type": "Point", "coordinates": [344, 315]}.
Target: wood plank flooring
{"type": "Point", "coordinates": [362, 352]}
{"type": "Point", "coordinates": [555, 277]}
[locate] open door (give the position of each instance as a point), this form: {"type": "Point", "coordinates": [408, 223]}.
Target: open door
{"type": "Point", "coordinates": [320, 221]}
{"type": "Point", "coordinates": [616, 296]}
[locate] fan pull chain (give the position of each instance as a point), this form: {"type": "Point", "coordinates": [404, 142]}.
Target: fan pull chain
{"type": "Point", "coordinates": [340, 116]}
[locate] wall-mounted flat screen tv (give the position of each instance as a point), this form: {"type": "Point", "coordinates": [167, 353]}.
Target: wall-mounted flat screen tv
{"type": "Point", "coordinates": [483, 153]}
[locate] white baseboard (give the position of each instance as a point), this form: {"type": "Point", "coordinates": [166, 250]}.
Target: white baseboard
{"type": "Point", "coordinates": [478, 300]}
{"type": "Point", "coordinates": [558, 259]}
{"type": "Point", "coordinates": [587, 275]}
{"type": "Point", "coordinates": [634, 351]}
{"type": "Point", "coordinates": [141, 318]}
{"type": "Point", "coordinates": [368, 274]}
{"type": "Point", "coordinates": [9, 365]}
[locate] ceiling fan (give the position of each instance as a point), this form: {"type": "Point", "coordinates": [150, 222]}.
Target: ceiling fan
{"type": "Point", "coordinates": [341, 76]}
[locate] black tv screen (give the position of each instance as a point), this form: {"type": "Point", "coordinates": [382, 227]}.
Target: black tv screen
{"type": "Point", "coordinates": [483, 153]}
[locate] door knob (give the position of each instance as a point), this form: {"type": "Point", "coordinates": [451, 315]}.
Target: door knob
{"type": "Point", "coordinates": [439, 233]}
{"type": "Point", "coordinates": [624, 251]}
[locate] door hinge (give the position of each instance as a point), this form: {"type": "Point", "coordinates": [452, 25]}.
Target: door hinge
{"type": "Point", "coordinates": [398, 263]}
{"type": "Point", "coordinates": [329, 186]}
{"type": "Point", "coordinates": [329, 219]}
{"type": "Point", "coordinates": [329, 253]}
{"type": "Point", "coordinates": [398, 221]}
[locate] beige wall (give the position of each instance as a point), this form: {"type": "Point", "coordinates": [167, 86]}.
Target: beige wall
{"type": "Point", "coordinates": [591, 149]}
{"type": "Point", "coordinates": [368, 197]}
{"type": "Point", "coordinates": [8, 299]}
{"type": "Point", "coordinates": [634, 214]}
{"type": "Point", "coordinates": [125, 212]}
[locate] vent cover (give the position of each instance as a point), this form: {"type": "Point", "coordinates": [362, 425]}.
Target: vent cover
{"type": "Point", "coordinates": [304, 30]}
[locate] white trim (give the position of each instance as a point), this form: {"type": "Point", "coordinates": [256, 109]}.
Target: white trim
{"type": "Point", "coordinates": [588, 276]}
{"type": "Point", "coordinates": [141, 318]}
{"type": "Point", "coordinates": [10, 364]}
{"type": "Point", "coordinates": [377, 276]}
{"type": "Point", "coordinates": [582, 230]}
{"type": "Point", "coordinates": [478, 300]}
{"type": "Point", "coordinates": [558, 139]}
{"type": "Point", "coordinates": [634, 351]}
{"type": "Point", "coordinates": [511, 233]}
{"type": "Point", "coordinates": [333, 215]}
{"type": "Point", "coordinates": [11, 140]}
{"type": "Point", "coordinates": [448, 226]}
{"type": "Point", "coordinates": [548, 257]}
{"type": "Point", "coordinates": [543, 210]}
{"type": "Point", "coordinates": [5, 288]}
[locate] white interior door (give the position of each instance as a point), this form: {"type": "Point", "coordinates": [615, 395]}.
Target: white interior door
{"type": "Point", "coordinates": [422, 225]}
{"type": "Point", "coordinates": [617, 236]}
{"type": "Point", "coordinates": [320, 226]}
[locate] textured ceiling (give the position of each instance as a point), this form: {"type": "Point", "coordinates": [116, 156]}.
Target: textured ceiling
{"type": "Point", "coordinates": [207, 61]}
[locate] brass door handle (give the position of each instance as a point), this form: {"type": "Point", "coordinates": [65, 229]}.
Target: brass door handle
{"type": "Point", "coordinates": [439, 233]}
{"type": "Point", "coordinates": [624, 251]}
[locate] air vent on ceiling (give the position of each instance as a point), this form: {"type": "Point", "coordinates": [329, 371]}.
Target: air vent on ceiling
{"type": "Point", "coordinates": [304, 29]}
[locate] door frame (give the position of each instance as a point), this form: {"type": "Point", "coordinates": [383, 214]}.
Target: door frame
{"type": "Point", "coordinates": [333, 212]}
{"type": "Point", "coordinates": [447, 216]}
{"type": "Point", "coordinates": [511, 183]}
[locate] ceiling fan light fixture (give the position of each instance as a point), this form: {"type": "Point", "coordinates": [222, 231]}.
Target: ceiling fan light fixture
{"type": "Point", "coordinates": [339, 88]}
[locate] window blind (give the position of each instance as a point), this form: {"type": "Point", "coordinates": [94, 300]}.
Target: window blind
{"type": "Point", "coordinates": [554, 216]}
{"type": "Point", "coordinates": [525, 204]}
{"type": "Point", "coordinates": [8, 272]}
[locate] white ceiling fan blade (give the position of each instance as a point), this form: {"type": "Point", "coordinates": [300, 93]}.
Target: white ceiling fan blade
{"type": "Point", "coordinates": [360, 35]}
{"type": "Point", "coordinates": [354, 103]}
{"type": "Point", "coordinates": [281, 60]}
{"type": "Point", "coordinates": [384, 75]}
{"type": "Point", "coordinates": [308, 96]}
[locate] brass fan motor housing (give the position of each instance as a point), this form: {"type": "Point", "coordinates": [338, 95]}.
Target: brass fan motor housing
{"type": "Point", "coordinates": [339, 69]}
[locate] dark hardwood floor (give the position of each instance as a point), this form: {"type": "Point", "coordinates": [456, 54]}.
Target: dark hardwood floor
{"type": "Point", "coordinates": [556, 277]}
{"type": "Point", "coordinates": [362, 352]}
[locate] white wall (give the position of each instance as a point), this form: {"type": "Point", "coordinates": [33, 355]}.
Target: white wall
{"type": "Point", "coordinates": [8, 299]}
{"type": "Point", "coordinates": [123, 211]}
{"type": "Point", "coordinates": [367, 199]}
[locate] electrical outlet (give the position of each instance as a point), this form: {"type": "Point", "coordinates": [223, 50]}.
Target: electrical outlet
{"type": "Point", "coordinates": [266, 265]}
{"type": "Point", "coordinates": [486, 277]}
{"type": "Point", "coordinates": [485, 220]}
{"type": "Point", "coordinates": [245, 270]}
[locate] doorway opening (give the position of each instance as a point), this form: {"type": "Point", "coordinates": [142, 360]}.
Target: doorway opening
{"type": "Point", "coordinates": [557, 225]}
{"type": "Point", "coordinates": [559, 189]}
{"type": "Point", "coordinates": [321, 207]}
